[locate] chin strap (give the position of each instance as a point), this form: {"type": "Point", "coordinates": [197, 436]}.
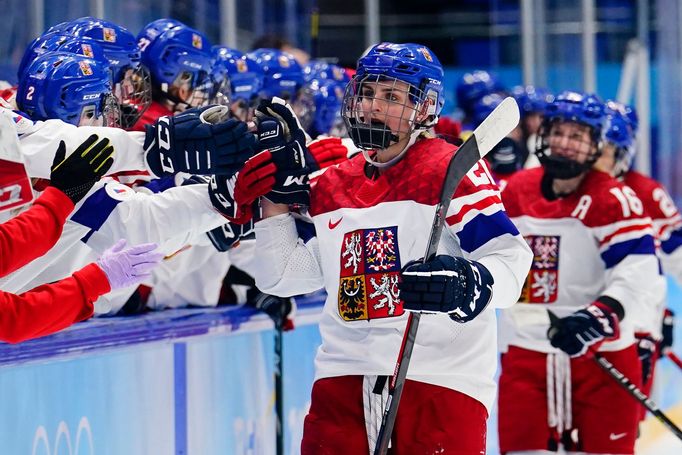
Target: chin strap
{"type": "Point", "coordinates": [413, 138]}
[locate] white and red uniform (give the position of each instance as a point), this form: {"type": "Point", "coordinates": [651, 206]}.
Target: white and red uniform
{"type": "Point", "coordinates": [667, 224]}
{"type": "Point", "coordinates": [366, 231]}
{"type": "Point", "coordinates": [597, 241]}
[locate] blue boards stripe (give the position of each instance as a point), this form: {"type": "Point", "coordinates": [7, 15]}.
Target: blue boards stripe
{"type": "Point", "coordinates": [180, 372]}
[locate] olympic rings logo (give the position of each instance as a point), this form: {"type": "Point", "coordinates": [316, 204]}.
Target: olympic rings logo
{"type": "Point", "coordinates": [40, 438]}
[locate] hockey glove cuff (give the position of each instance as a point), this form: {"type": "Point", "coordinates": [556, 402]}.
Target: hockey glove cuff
{"type": "Point", "coordinates": [587, 328]}
{"type": "Point", "coordinates": [280, 132]}
{"type": "Point", "coordinates": [446, 284]}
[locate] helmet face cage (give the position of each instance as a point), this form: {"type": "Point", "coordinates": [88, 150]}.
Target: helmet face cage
{"type": "Point", "coordinates": [106, 113]}
{"type": "Point", "coordinates": [198, 85]}
{"type": "Point", "coordinates": [583, 154]}
{"type": "Point", "coordinates": [380, 111]}
{"type": "Point", "coordinates": [222, 93]}
{"type": "Point", "coordinates": [133, 93]}
{"type": "Point", "coordinates": [303, 105]}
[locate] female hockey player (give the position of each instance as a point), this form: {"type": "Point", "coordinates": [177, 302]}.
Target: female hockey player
{"type": "Point", "coordinates": [594, 266]}
{"type": "Point", "coordinates": [52, 307]}
{"type": "Point", "coordinates": [372, 217]}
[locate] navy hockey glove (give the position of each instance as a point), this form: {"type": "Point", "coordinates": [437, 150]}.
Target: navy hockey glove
{"type": "Point", "coordinates": [280, 132]}
{"type": "Point", "coordinates": [280, 309]}
{"type": "Point", "coordinates": [190, 142]}
{"type": "Point", "coordinates": [446, 284]}
{"type": "Point", "coordinates": [646, 350]}
{"type": "Point", "coordinates": [234, 197]}
{"type": "Point", "coordinates": [667, 330]}
{"type": "Point", "coordinates": [76, 174]}
{"type": "Point", "coordinates": [587, 328]}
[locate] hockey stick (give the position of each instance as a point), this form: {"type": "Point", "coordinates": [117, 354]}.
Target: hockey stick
{"type": "Point", "coordinates": [621, 379]}
{"type": "Point", "coordinates": [279, 390]}
{"type": "Point", "coordinates": [496, 126]}
{"type": "Point", "coordinates": [676, 360]}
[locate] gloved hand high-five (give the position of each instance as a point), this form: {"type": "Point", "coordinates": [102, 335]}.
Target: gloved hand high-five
{"type": "Point", "coordinates": [446, 284]}
{"type": "Point", "coordinates": [234, 196]}
{"type": "Point", "coordinates": [127, 266]}
{"type": "Point", "coordinates": [198, 141]}
{"type": "Point", "coordinates": [328, 151]}
{"type": "Point", "coordinates": [587, 328]}
{"type": "Point", "coordinates": [280, 132]}
{"type": "Point", "coordinates": [76, 174]}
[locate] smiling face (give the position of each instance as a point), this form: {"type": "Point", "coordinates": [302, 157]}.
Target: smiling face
{"type": "Point", "coordinates": [571, 141]}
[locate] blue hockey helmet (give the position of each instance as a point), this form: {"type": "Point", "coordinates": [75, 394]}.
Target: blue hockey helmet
{"type": "Point", "coordinates": [49, 41]}
{"type": "Point", "coordinates": [531, 100]}
{"type": "Point", "coordinates": [240, 75]}
{"type": "Point", "coordinates": [119, 45]}
{"type": "Point", "coordinates": [621, 135]}
{"type": "Point", "coordinates": [384, 65]}
{"type": "Point", "coordinates": [319, 69]}
{"type": "Point", "coordinates": [179, 58]}
{"type": "Point", "coordinates": [282, 74]}
{"type": "Point", "coordinates": [633, 119]}
{"type": "Point", "coordinates": [484, 107]}
{"type": "Point", "coordinates": [69, 87]}
{"type": "Point", "coordinates": [319, 108]}
{"type": "Point", "coordinates": [580, 108]}
{"type": "Point", "coordinates": [587, 109]}
{"type": "Point", "coordinates": [473, 86]}
{"type": "Point", "coordinates": [130, 79]}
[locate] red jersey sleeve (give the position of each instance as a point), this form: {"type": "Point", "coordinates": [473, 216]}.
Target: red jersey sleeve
{"type": "Point", "coordinates": [51, 307]}
{"type": "Point", "coordinates": [32, 233]}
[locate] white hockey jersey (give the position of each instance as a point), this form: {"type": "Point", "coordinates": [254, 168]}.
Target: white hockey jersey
{"type": "Point", "coordinates": [598, 241]}
{"type": "Point", "coordinates": [667, 224]}
{"type": "Point", "coordinates": [111, 211]}
{"type": "Point", "coordinates": [366, 230]}
{"type": "Point", "coordinates": [39, 142]}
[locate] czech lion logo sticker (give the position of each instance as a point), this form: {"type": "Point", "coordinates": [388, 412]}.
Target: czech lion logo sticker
{"type": "Point", "coordinates": [370, 268]}
{"type": "Point", "coordinates": [542, 282]}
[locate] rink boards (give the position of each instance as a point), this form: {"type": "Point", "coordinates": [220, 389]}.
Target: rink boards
{"type": "Point", "coordinates": [190, 382]}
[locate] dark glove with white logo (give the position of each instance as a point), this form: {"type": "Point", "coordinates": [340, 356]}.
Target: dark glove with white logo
{"type": "Point", "coordinates": [280, 309]}
{"type": "Point", "coordinates": [446, 284]}
{"type": "Point", "coordinates": [280, 132]}
{"type": "Point", "coordinates": [667, 330]}
{"type": "Point", "coordinates": [191, 142]}
{"type": "Point", "coordinates": [587, 328]}
{"type": "Point", "coordinates": [646, 351]}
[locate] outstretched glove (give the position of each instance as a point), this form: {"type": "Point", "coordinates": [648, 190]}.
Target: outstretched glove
{"type": "Point", "coordinates": [281, 310]}
{"type": "Point", "coordinates": [235, 196]}
{"type": "Point", "coordinates": [587, 328]}
{"type": "Point", "coordinates": [226, 236]}
{"type": "Point", "coordinates": [76, 174]}
{"type": "Point", "coordinates": [646, 350]}
{"type": "Point", "coordinates": [191, 142]}
{"type": "Point", "coordinates": [667, 330]}
{"type": "Point", "coordinates": [446, 284]}
{"type": "Point", "coordinates": [328, 151]}
{"type": "Point", "coordinates": [127, 266]}
{"type": "Point", "coordinates": [280, 132]}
